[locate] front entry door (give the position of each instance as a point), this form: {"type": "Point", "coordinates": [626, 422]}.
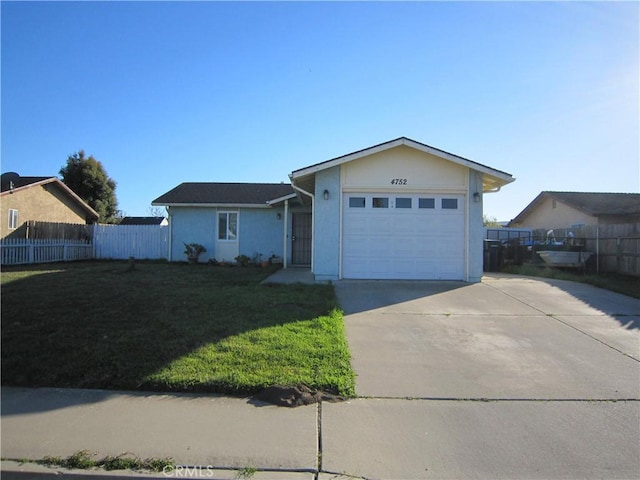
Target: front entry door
{"type": "Point", "coordinates": [301, 239]}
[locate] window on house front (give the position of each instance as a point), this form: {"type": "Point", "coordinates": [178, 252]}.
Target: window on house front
{"type": "Point", "coordinates": [13, 218]}
{"type": "Point", "coordinates": [403, 202]}
{"type": "Point", "coordinates": [380, 202]}
{"type": "Point", "coordinates": [450, 203]}
{"type": "Point", "coordinates": [227, 225]}
{"type": "Point", "coordinates": [426, 203]}
{"type": "Point", "coordinates": [356, 202]}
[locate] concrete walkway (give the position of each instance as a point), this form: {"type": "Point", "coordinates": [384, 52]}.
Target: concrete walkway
{"type": "Point", "coordinates": [291, 275]}
{"type": "Point", "coordinates": [511, 378]}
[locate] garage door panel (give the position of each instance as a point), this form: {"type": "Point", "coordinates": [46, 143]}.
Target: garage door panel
{"type": "Point", "coordinates": [404, 243]}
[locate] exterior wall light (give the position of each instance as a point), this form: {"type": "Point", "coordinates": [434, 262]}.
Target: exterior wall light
{"type": "Point", "coordinates": [325, 194]}
{"type": "Point", "coordinates": [278, 215]}
{"type": "Point", "coordinates": [476, 197]}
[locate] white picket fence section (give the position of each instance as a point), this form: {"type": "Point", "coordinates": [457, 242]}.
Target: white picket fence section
{"type": "Point", "coordinates": [117, 242]}
{"type": "Point", "coordinates": [120, 242]}
{"type": "Point", "coordinates": [20, 251]}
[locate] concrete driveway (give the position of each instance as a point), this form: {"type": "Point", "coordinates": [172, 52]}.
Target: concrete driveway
{"type": "Point", "coordinates": [511, 378]}
{"type": "Point", "coordinates": [508, 337]}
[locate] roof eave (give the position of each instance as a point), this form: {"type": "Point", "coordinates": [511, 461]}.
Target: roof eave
{"type": "Point", "coordinates": [212, 205]}
{"type": "Point", "coordinates": [503, 177]}
{"type": "Point", "coordinates": [282, 199]}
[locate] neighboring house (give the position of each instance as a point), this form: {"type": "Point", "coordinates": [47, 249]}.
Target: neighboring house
{"type": "Point", "coordinates": [143, 221]}
{"type": "Point", "coordinates": [573, 209]}
{"type": "Point", "coordinates": [398, 210]}
{"type": "Point", "coordinates": [44, 199]}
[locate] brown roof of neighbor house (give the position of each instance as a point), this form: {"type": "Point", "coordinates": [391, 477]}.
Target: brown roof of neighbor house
{"type": "Point", "coordinates": [141, 221]}
{"type": "Point", "coordinates": [212, 193]}
{"type": "Point", "coordinates": [12, 182]}
{"type": "Point", "coordinates": [592, 203]}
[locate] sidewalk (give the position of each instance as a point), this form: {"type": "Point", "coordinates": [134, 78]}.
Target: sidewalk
{"type": "Point", "coordinates": [203, 430]}
{"type": "Point", "coordinates": [392, 438]}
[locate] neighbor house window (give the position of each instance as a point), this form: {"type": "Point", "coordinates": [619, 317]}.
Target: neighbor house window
{"type": "Point", "coordinates": [450, 203]}
{"type": "Point", "coordinates": [426, 203]}
{"type": "Point", "coordinates": [227, 225]}
{"type": "Point", "coordinates": [356, 202]}
{"type": "Point", "coordinates": [380, 202]}
{"type": "Point", "coordinates": [13, 218]}
{"type": "Point", "coordinates": [403, 203]}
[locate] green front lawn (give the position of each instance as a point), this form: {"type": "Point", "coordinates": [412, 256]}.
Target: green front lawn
{"type": "Point", "coordinates": [169, 327]}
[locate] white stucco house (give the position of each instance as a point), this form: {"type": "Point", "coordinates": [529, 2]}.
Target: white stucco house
{"type": "Point", "coordinates": [397, 210]}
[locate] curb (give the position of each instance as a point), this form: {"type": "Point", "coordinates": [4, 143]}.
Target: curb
{"type": "Point", "coordinates": [13, 470]}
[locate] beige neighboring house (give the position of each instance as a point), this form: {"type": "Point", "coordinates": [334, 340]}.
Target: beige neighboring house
{"type": "Point", "coordinates": [575, 209]}
{"type": "Point", "coordinates": [45, 199]}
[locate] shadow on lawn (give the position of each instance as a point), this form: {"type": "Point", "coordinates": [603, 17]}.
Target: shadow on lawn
{"type": "Point", "coordinates": [96, 325]}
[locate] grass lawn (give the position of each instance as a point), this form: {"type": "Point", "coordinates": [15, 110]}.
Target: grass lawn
{"type": "Point", "coordinates": [627, 285]}
{"type": "Point", "coordinates": [169, 327]}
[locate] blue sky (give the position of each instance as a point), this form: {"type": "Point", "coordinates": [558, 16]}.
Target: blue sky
{"type": "Point", "coordinates": [166, 92]}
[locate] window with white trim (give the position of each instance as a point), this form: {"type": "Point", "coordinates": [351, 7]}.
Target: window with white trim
{"type": "Point", "coordinates": [356, 202]}
{"type": "Point", "coordinates": [403, 202]}
{"type": "Point", "coordinates": [426, 203]}
{"type": "Point", "coordinates": [13, 219]}
{"type": "Point", "coordinates": [450, 203]}
{"type": "Point", "coordinates": [227, 225]}
{"type": "Point", "coordinates": [380, 202]}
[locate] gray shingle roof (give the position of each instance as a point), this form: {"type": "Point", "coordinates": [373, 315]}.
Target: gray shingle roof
{"type": "Point", "coordinates": [141, 221]}
{"type": "Point", "coordinates": [224, 193]}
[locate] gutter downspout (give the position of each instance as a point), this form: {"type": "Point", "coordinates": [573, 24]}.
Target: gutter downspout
{"type": "Point", "coordinates": [313, 217]}
{"type": "Point", "coordinates": [286, 232]}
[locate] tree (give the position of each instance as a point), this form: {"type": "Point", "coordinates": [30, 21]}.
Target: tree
{"type": "Point", "coordinates": [156, 211]}
{"type": "Point", "coordinates": [88, 179]}
{"type": "Point", "coordinates": [491, 222]}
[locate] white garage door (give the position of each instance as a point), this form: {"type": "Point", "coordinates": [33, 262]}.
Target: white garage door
{"type": "Point", "coordinates": [408, 237]}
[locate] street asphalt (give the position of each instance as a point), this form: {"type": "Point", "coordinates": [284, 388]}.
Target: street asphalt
{"type": "Point", "coordinates": [512, 378]}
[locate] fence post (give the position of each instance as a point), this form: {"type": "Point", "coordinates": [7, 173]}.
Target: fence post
{"type": "Point", "coordinates": [31, 252]}
{"type": "Point", "coordinates": [618, 255]}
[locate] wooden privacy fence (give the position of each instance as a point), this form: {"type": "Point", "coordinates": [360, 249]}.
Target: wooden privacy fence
{"type": "Point", "coordinates": [124, 241]}
{"type": "Point", "coordinates": [20, 251]}
{"type": "Point", "coordinates": [118, 242]}
{"type": "Point", "coordinates": [67, 231]}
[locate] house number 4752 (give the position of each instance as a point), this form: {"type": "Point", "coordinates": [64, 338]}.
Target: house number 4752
{"type": "Point", "coordinates": [399, 181]}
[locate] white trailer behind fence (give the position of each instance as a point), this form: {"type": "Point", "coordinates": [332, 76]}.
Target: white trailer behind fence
{"type": "Point", "coordinates": [150, 242]}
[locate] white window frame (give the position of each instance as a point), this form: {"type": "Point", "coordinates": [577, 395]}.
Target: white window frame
{"type": "Point", "coordinates": [227, 214]}
{"type": "Point", "coordinates": [13, 219]}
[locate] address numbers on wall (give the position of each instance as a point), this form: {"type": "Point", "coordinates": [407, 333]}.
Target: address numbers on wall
{"type": "Point", "coordinates": [398, 181]}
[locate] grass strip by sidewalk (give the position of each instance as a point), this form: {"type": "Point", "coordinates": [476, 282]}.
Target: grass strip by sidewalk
{"type": "Point", "coordinates": [169, 327]}
{"type": "Point", "coordinates": [84, 460]}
